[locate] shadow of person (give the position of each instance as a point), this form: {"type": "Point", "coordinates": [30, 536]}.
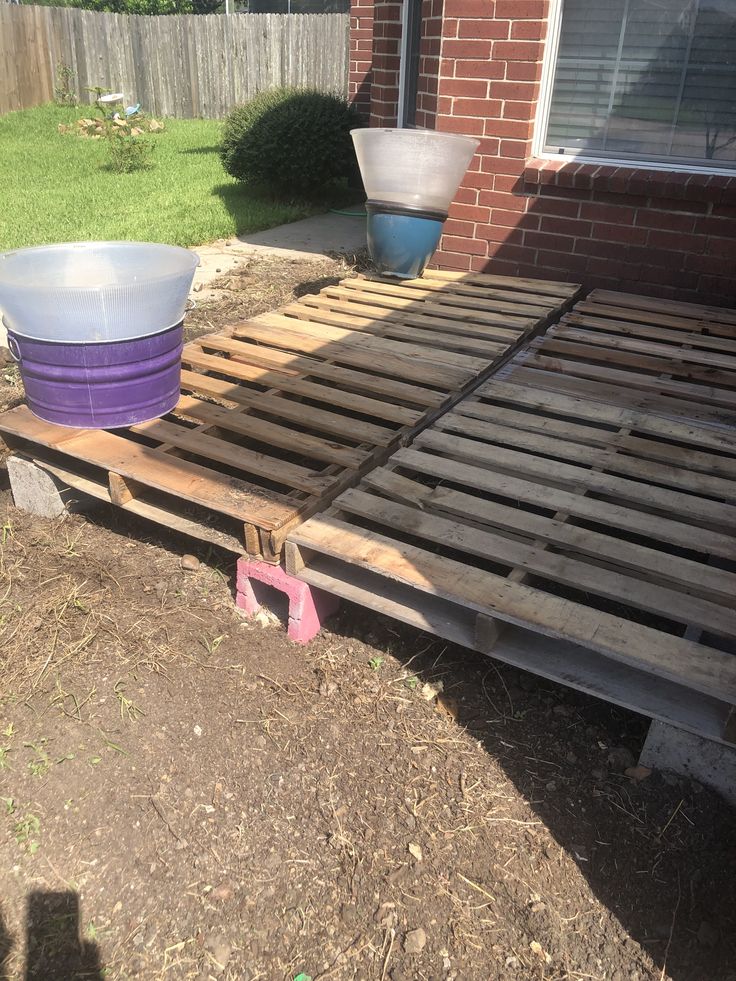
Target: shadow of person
{"type": "Point", "coordinates": [55, 948]}
{"type": "Point", "coordinates": [6, 948]}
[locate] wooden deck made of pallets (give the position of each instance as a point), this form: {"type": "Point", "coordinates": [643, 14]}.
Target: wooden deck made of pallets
{"type": "Point", "coordinates": [282, 412]}
{"type": "Point", "coordinates": [584, 495]}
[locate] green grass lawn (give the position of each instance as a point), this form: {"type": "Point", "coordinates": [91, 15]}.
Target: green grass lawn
{"type": "Point", "coordinates": [55, 187]}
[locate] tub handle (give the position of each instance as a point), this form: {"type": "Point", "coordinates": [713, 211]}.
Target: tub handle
{"type": "Point", "coordinates": [193, 304]}
{"type": "Point", "coordinates": [14, 349]}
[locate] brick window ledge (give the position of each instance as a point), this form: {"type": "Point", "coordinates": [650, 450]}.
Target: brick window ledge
{"type": "Point", "coordinates": [632, 181]}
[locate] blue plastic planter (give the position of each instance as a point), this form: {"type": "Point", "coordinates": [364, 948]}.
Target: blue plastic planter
{"type": "Point", "coordinates": [401, 241]}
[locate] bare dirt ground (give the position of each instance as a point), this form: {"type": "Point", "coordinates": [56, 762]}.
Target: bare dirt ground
{"type": "Point", "coordinates": [258, 285]}
{"type": "Point", "coordinates": [187, 795]}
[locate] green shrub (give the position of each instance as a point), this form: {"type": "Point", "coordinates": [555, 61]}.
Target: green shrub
{"type": "Point", "coordinates": [127, 152]}
{"type": "Point", "coordinates": [294, 142]}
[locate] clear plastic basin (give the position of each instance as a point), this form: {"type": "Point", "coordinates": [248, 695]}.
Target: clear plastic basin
{"type": "Point", "coordinates": [417, 167]}
{"type": "Point", "coordinates": [92, 292]}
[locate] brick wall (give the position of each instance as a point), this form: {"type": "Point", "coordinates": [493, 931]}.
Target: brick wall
{"type": "Point", "coordinates": [375, 55]}
{"type": "Point", "coordinates": [361, 55]}
{"type": "Point", "coordinates": [617, 227]}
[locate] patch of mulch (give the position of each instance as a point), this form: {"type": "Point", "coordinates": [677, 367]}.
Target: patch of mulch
{"type": "Point", "coordinates": [186, 794]}
{"type": "Point", "coordinates": [258, 285]}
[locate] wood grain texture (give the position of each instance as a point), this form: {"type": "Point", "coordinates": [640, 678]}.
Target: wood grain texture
{"type": "Point", "coordinates": [677, 359]}
{"type": "Point", "coordinates": [175, 65]}
{"type": "Point", "coordinates": [280, 414]}
{"type": "Point", "coordinates": [589, 498]}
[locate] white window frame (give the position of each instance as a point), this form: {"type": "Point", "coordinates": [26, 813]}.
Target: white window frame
{"type": "Point", "coordinates": [549, 64]}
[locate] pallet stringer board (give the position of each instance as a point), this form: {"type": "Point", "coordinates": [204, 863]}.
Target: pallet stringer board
{"type": "Point", "coordinates": [155, 513]}
{"type": "Point", "coordinates": [556, 660]}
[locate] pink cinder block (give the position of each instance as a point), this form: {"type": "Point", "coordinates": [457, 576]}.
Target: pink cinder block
{"type": "Point", "coordinates": [308, 606]}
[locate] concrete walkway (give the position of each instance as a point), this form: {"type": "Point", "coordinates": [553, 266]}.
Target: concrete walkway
{"type": "Point", "coordinates": [311, 238]}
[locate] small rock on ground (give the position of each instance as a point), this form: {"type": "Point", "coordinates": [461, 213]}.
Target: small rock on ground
{"type": "Point", "coordinates": [415, 941]}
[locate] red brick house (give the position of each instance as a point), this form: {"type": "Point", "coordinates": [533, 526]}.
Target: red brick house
{"type": "Point", "coordinates": [607, 129]}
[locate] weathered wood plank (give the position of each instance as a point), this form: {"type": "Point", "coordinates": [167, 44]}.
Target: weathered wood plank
{"type": "Point", "coordinates": [190, 481]}
{"type": "Point", "coordinates": [306, 404]}
{"type": "Point", "coordinates": [538, 494]}
{"type": "Point", "coordinates": [175, 65]}
{"type": "Point", "coordinates": [267, 365]}
{"type": "Point", "coordinates": [295, 411]}
{"type": "Point", "coordinates": [580, 574]}
{"type": "Point", "coordinates": [270, 433]}
{"type": "Point", "coordinates": [688, 574]}
{"type": "Point", "coordinates": [665, 655]}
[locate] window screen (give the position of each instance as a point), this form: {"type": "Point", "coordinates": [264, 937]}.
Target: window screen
{"type": "Point", "coordinates": [646, 79]}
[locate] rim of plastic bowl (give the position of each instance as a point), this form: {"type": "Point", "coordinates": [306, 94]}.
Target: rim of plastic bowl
{"type": "Point", "coordinates": [194, 257]}
{"type": "Point", "coordinates": [107, 340]}
{"type": "Point", "coordinates": [423, 132]}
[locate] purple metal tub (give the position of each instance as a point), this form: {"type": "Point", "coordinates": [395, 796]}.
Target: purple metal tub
{"type": "Point", "coordinates": [96, 328]}
{"type": "Point", "coordinates": [101, 386]}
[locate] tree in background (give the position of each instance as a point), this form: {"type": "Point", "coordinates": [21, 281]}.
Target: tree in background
{"type": "Point", "coordinates": [207, 6]}
{"type": "Point", "coordinates": [128, 6]}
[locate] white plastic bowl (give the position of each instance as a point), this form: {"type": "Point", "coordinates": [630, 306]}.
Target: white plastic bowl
{"type": "Point", "coordinates": [95, 291]}
{"type": "Point", "coordinates": [417, 167]}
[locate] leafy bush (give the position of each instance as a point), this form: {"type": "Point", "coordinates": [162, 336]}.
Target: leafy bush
{"type": "Point", "coordinates": [123, 6]}
{"type": "Point", "coordinates": [294, 142]}
{"type": "Point", "coordinates": [128, 152]}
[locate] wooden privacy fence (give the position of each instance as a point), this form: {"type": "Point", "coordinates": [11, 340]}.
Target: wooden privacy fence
{"type": "Point", "coordinates": [180, 65]}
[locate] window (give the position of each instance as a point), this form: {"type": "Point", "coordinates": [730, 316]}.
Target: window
{"type": "Point", "coordinates": [645, 80]}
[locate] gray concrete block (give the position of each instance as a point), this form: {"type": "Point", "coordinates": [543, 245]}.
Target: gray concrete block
{"type": "Point", "coordinates": [37, 492]}
{"type": "Point", "coordinates": [712, 764]}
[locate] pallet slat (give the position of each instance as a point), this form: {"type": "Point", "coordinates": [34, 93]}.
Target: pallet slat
{"type": "Point", "coordinates": [705, 670]}
{"type": "Point", "coordinates": [683, 356]}
{"type": "Point", "coordinates": [173, 475]}
{"type": "Point", "coordinates": [316, 307]}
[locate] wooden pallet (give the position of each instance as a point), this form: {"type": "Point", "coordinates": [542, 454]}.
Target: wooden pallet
{"type": "Point", "coordinates": [607, 533]}
{"type": "Point", "coordinates": [668, 357]}
{"type": "Point", "coordinates": [281, 413]}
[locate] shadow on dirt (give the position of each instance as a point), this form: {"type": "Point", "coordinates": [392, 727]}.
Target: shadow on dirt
{"type": "Point", "coordinates": [54, 947]}
{"type": "Point", "coordinates": [658, 854]}
{"type": "Point", "coordinates": [6, 947]}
